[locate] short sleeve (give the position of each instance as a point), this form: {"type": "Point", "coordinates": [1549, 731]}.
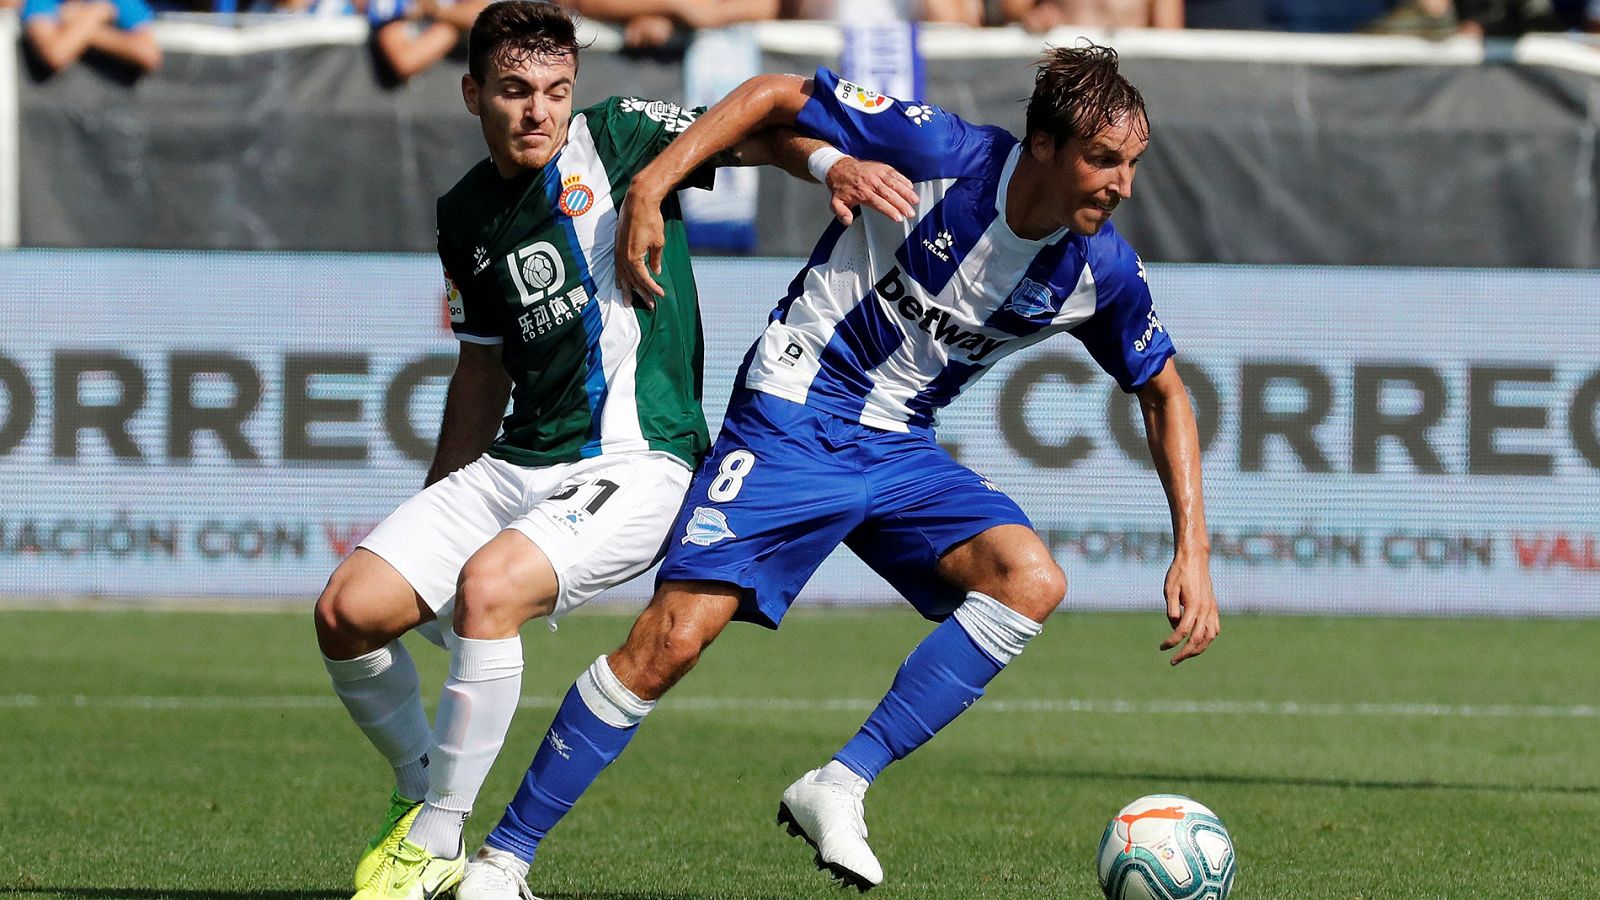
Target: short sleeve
{"type": "Point", "coordinates": [35, 9]}
{"type": "Point", "coordinates": [1125, 336]}
{"type": "Point", "coordinates": [638, 130]}
{"type": "Point", "coordinates": [473, 320]}
{"type": "Point", "coordinates": [919, 139]}
{"type": "Point", "coordinates": [382, 12]}
{"type": "Point", "coordinates": [132, 14]}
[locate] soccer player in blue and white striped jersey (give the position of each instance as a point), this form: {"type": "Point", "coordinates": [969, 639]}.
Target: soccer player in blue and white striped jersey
{"type": "Point", "coordinates": [829, 437]}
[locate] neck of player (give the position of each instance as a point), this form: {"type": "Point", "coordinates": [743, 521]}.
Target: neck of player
{"type": "Point", "coordinates": [1032, 211]}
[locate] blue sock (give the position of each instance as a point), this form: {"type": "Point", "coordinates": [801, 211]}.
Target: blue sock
{"type": "Point", "coordinates": [574, 751]}
{"type": "Point", "coordinates": [943, 676]}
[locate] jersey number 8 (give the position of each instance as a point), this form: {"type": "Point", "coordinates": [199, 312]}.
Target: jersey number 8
{"type": "Point", "coordinates": [730, 477]}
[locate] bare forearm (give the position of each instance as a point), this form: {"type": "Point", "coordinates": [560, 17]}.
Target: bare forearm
{"type": "Point", "coordinates": [1175, 448]}
{"type": "Point", "coordinates": [1166, 14]}
{"type": "Point", "coordinates": [473, 406]}
{"type": "Point", "coordinates": [781, 147]}
{"type": "Point", "coordinates": [60, 44]}
{"type": "Point", "coordinates": [407, 55]}
{"type": "Point", "coordinates": [137, 48]}
{"type": "Point", "coordinates": [762, 102]}
{"type": "Point", "coordinates": [458, 15]}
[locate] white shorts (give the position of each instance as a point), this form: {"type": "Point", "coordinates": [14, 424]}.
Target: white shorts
{"type": "Point", "coordinates": [599, 521]}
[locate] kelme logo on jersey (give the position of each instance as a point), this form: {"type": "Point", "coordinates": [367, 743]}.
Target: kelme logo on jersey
{"type": "Point", "coordinates": [1029, 299]}
{"type": "Point", "coordinates": [857, 97]}
{"type": "Point", "coordinates": [576, 197]}
{"type": "Point", "coordinates": [706, 527]}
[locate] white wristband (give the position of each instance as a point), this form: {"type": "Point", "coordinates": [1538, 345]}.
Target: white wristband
{"type": "Point", "coordinates": [821, 160]}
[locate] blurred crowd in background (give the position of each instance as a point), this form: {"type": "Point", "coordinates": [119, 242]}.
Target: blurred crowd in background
{"type": "Point", "coordinates": [408, 36]}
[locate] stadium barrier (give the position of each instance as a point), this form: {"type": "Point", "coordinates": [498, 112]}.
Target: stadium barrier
{"type": "Point", "coordinates": [1376, 440]}
{"type": "Point", "coordinates": [1268, 148]}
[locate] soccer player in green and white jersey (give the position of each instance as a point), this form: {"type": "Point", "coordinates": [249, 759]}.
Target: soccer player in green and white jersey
{"type": "Point", "coordinates": [576, 493]}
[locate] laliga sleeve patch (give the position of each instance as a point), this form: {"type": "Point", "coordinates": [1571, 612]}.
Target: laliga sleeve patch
{"type": "Point", "coordinates": [453, 302]}
{"type": "Point", "coordinates": [857, 97]}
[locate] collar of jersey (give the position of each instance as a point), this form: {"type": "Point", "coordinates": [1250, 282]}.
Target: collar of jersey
{"type": "Point", "coordinates": [1004, 232]}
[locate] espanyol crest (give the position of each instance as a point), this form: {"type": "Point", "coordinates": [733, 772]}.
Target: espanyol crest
{"type": "Point", "coordinates": [1030, 299]}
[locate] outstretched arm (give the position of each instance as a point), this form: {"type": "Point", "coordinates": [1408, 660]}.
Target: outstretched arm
{"type": "Point", "coordinates": [136, 47]}
{"type": "Point", "coordinates": [61, 40]}
{"type": "Point", "coordinates": [1175, 447]}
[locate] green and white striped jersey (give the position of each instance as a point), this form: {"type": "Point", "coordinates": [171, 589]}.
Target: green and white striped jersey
{"type": "Point", "coordinates": [528, 264]}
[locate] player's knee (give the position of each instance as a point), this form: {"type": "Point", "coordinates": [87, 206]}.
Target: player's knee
{"type": "Point", "coordinates": [1035, 590]}
{"type": "Point", "coordinates": [490, 604]}
{"type": "Point", "coordinates": [345, 628]}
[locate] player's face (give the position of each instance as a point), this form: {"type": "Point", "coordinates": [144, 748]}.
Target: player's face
{"type": "Point", "coordinates": [524, 107]}
{"type": "Point", "coordinates": [1094, 174]}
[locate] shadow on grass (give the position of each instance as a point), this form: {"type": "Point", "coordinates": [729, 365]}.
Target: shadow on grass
{"type": "Point", "coordinates": [1307, 781]}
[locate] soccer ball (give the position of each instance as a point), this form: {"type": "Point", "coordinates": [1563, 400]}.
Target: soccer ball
{"type": "Point", "coordinates": [1166, 847]}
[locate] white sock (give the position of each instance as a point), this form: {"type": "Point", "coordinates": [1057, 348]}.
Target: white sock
{"type": "Point", "coordinates": [1001, 631]}
{"type": "Point", "coordinates": [609, 699]}
{"type": "Point", "coordinates": [838, 773]}
{"type": "Point", "coordinates": [475, 709]}
{"type": "Point", "coordinates": [380, 691]}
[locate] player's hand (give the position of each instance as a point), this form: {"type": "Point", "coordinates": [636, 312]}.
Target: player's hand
{"type": "Point", "coordinates": [1191, 606]}
{"type": "Point", "coordinates": [855, 183]}
{"type": "Point", "coordinates": [641, 234]}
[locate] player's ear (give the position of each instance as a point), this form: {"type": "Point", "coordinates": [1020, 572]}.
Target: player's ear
{"type": "Point", "coordinates": [1042, 146]}
{"type": "Point", "coordinates": [469, 93]}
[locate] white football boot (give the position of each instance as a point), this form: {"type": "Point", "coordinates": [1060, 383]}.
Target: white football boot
{"type": "Point", "coordinates": [495, 875]}
{"type": "Point", "coordinates": [830, 818]}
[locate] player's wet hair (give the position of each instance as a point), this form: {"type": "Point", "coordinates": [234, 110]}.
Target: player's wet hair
{"type": "Point", "coordinates": [511, 32]}
{"type": "Point", "coordinates": [1077, 92]}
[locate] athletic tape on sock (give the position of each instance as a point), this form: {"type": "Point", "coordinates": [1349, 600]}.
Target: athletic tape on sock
{"type": "Point", "coordinates": [1001, 631]}
{"type": "Point", "coordinates": [609, 699]}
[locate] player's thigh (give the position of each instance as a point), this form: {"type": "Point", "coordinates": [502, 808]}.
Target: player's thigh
{"type": "Point", "coordinates": [766, 507]}
{"type": "Point", "coordinates": [927, 508]}
{"type": "Point", "coordinates": [601, 526]}
{"type": "Point", "coordinates": [432, 535]}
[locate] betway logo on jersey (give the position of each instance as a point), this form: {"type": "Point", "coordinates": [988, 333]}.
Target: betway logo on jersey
{"type": "Point", "coordinates": [933, 320]}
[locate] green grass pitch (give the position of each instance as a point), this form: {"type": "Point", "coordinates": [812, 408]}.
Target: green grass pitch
{"type": "Point", "coordinates": [201, 755]}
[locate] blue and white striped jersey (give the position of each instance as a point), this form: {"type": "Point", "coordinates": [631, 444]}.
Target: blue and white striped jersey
{"type": "Point", "coordinates": [889, 321]}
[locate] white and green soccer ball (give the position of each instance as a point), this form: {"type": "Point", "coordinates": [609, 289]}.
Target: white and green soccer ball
{"type": "Point", "coordinates": [1166, 847]}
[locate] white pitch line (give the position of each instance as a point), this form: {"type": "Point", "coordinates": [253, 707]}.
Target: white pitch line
{"type": "Point", "coordinates": [1288, 708]}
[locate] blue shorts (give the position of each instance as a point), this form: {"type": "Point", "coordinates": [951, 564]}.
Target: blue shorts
{"type": "Point", "coordinates": [785, 484]}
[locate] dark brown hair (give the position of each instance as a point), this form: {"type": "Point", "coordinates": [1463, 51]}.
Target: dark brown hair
{"type": "Point", "coordinates": [1078, 91]}
{"type": "Point", "coordinates": [510, 32]}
